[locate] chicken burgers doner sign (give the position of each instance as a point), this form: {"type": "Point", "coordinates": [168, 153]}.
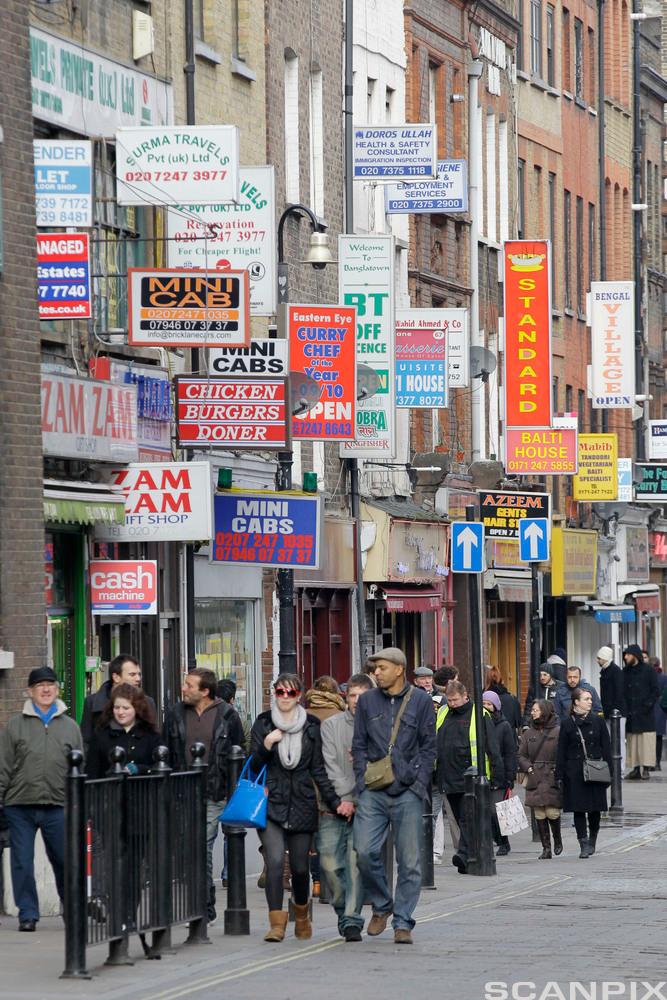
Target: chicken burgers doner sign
{"type": "Point", "coordinates": [527, 334]}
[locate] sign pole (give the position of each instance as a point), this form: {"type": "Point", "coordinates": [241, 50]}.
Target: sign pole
{"type": "Point", "coordinates": [535, 628]}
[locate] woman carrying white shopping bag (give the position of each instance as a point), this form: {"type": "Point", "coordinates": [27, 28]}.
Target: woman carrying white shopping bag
{"type": "Point", "coordinates": [538, 751]}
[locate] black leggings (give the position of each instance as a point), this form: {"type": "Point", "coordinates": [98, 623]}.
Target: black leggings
{"type": "Point", "coordinates": [580, 824]}
{"type": "Point", "coordinates": [275, 841]}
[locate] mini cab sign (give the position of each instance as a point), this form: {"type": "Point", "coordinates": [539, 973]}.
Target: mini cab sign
{"type": "Point", "coordinates": [501, 511]}
{"type": "Point", "coordinates": [123, 587]}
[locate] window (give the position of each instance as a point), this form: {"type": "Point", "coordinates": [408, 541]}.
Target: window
{"type": "Point", "coordinates": [581, 410]}
{"type": "Point", "coordinates": [433, 74]}
{"type": "Point", "coordinates": [536, 201]}
{"type": "Point", "coordinates": [569, 399]}
{"type": "Point", "coordinates": [552, 233]}
{"type": "Point", "coordinates": [503, 181]}
{"type": "Point", "coordinates": [240, 29]}
{"type": "Point", "coordinates": [521, 200]}
{"type": "Point", "coordinates": [536, 37]}
{"type": "Point", "coordinates": [316, 144]}
{"type": "Point", "coordinates": [580, 256]}
{"type": "Point", "coordinates": [225, 643]}
{"type": "Point", "coordinates": [565, 50]}
{"type": "Point", "coordinates": [291, 127]}
{"type": "Point", "coordinates": [566, 248]}
{"type": "Point", "coordinates": [578, 59]}
{"type": "Point", "coordinates": [519, 41]}
{"type": "Point", "coordinates": [555, 401]}
{"type": "Point", "coordinates": [592, 269]}
{"type": "Point", "coordinates": [491, 176]}
{"type": "Point", "coordinates": [199, 20]}
{"type": "Point", "coordinates": [592, 69]}
{"type": "Point", "coordinates": [388, 104]}
{"type": "Point", "coordinates": [551, 56]}
{"type": "Point", "coordinates": [370, 94]}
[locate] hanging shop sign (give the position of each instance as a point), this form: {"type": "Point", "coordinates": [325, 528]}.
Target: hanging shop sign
{"type": "Point", "coordinates": [658, 549]}
{"type": "Point", "coordinates": [267, 529]}
{"type": "Point", "coordinates": [597, 477]}
{"type": "Point", "coordinates": [632, 546]}
{"type": "Point", "coordinates": [63, 276]}
{"type": "Point", "coordinates": [653, 482]}
{"type": "Point", "coordinates": [177, 165]}
{"type": "Point", "coordinates": [458, 348]}
{"type": "Point", "coordinates": [63, 182]}
{"type": "Point", "coordinates": [259, 359]}
{"type": "Point", "coordinates": [220, 410]}
{"type": "Point", "coordinates": [612, 344]}
{"type": "Point", "coordinates": [657, 439]}
{"type": "Point", "coordinates": [447, 192]}
{"type": "Point", "coordinates": [624, 475]}
{"type": "Point", "coordinates": [421, 358]}
{"type": "Point", "coordinates": [322, 343]}
{"type": "Point", "coordinates": [366, 281]}
{"type": "Point", "coordinates": [417, 551]}
{"type": "Point", "coordinates": [86, 419]}
{"type": "Point", "coordinates": [573, 561]}
{"type": "Point", "coordinates": [155, 411]}
{"type": "Point", "coordinates": [164, 502]}
{"type": "Point", "coordinates": [123, 587]}
{"type": "Point", "coordinates": [237, 235]}
{"type": "Point", "coordinates": [541, 451]}
{"type": "Point", "coordinates": [390, 152]}
{"type": "Point", "coordinates": [527, 354]}
{"type": "Point", "coordinates": [501, 511]}
{"type": "Point", "coordinates": [188, 308]}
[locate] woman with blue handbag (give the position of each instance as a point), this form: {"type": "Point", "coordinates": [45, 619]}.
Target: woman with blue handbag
{"type": "Point", "coordinates": [287, 741]}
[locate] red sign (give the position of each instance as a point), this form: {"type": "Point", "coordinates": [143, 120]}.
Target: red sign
{"type": "Point", "coordinates": [658, 548]}
{"type": "Point", "coordinates": [323, 347]}
{"type": "Point", "coordinates": [218, 411]}
{"type": "Point", "coordinates": [63, 275]}
{"type": "Point", "coordinates": [527, 334]}
{"type": "Point", "coordinates": [123, 587]}
{"type": "Point", "coordinates": [541, 451]}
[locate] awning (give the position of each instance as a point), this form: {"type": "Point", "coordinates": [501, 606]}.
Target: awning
{"type": "Point", "coordinates": [422, 599]}
{"type": "Point", "coordinates": [514, 586]}
{"type": "Point", "coordinates": [68, 502]}
{"type": "Point", "coordinates": [617, 614]}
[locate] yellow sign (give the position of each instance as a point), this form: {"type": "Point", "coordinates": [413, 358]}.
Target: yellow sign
{"type": "Point", "coordinates": [597, 478]}
{"type": "Point", "coordinates": [574, 559]}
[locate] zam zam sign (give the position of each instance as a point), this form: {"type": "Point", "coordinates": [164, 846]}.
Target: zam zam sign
{"type": "Point", "coordinates": [527, 333]}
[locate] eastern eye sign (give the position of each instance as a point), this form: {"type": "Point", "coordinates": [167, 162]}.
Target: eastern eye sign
{"type": "Point", "coordinates": [248, 412]}
{"type": "Point", "coordinates": [448, 192]}
{"type": "Point", "coordinates": [527, 333]}
{"type": "Point", "coordinates": [188, 308]}
{"type": "Point", "coordinates": [502, 511]}
{"type": "Point", "coordinates": [258, 359]}
{"type": "Point", "coordinates": [63, 185]}
{"type": "Point", "coordinates": [123, 587]}
{"type": "Point", "coordinates": [545, 451]}
{"type": "Point", "coordinates": [421, 358]}
{"type": "Point", "coordinates": [274, 530]}
{"type": "Point", "coordinates": [387, 152]}
{"type": "Point", "coordinates": [323, 347]}
{"type": "Point", "coordinates": [63, 275]}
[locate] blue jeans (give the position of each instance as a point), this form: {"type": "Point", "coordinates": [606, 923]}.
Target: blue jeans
{"type": "Point", "coordinates": [24, 822]}
{"type": "Point", "coordinates": [213, 810]}
{"type": "Point", "coordinates": [376, 813]}
{"type": "Point", "coordinates": [338, 861]}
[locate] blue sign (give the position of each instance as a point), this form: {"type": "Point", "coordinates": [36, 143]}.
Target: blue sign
{"type": "Point", "coordinates": [63, 182]}
{"type": "Point", "coordinates": [533, 539]}
{"type": "Point", "coordinates": [467, 547]}
{"type": "Point", "coordinates": [448, 192]}
{"type": "Point", "coordinates": [609, 615]}
{"type": "Point", "coordinates": [276, 530]}
{"type": "Point", "coordinates": [390, 152]}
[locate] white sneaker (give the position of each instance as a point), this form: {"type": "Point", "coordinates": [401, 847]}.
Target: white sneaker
{"type": "Point", "coordinates": [437, 859]}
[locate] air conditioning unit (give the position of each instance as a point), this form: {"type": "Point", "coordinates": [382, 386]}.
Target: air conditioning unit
{"type": "Point", "coordinates": [143, 35]}
{"type": "Point", "coordinates": [6, 660]}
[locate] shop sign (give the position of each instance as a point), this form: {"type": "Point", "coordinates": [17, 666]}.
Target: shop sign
{"type": "Point", "coordinates": [154, 406]}
{"type": "Point", "coordinates": [63, 275]}
{"type": "Point", "coordinates": [657, 439]}
{"type": "Point", "coordinates": [503, 553]}
{"type": "Point", "coordinates": [188, 308]}
{"type": "Point", "coordinates": [417, 552]}
{"type": "Point", "coordinates": [219, 411]}
{"type": "Point", "coordinates": [177, 165]}
{"type": "Point", "coordinates": [541, 451]}
{"type": "Point", "coordinates": [624, 468]}
{"type": "Point", "coordinates": [237, 235]}
{"type": "Point", "coordinates": [366, 281]}
{"type": "Point", "coordinates": [457, 501]}
{"type": "Point", "coordinates": [273, 530]}
{"type": "Point", "coordinates": [501, 511]}
{"type": "Point", "coordinates": [322, 343]}
{"type": "Point", "coordinates": [390, 152]}
{"type": "Point", "coordinates": [597, 478]}
{"type": "Point", "coordinates": [421, 359]}
{"type": "Point", "coordinates": [448, 192]}
{"type": "Point", "coordinates": [653, 484]}
{"type": "Point", "coordinates": [658, 549]}
{"type": "Point", "coordinates": [87, 419]}
{"type": "Point", "coordinates": [573, 561]}
{"type": "Point", "coordinates": [633, 549]}
{"type": "Point", "coordinates": [164, 502]}
{"type": "Point", "coordinates": [123, 587]}
{"type": "Point", "coordinates": [456, 324]}
{"type": "Point", "coordinates": [84, 92]}
{"type": "Point", "coordinates": [259, 359]}
{"type": "Point", "coordinates": [612, 344]}
{"type": "Point", "coordinates": [63, 184]}
{"type": "Point", "coordinates": [527, 354]}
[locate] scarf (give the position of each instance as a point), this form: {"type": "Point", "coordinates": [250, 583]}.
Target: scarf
{"type": "Point", "coordinates": [289, 748]}
{"type": "Point", "coordinates": [325, 699]}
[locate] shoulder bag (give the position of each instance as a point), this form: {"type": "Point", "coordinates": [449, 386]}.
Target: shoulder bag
{"type": "Point", "coordinates": [248, 802]}
{"type": "Point", "coordinates": [595, 772]}
{"type": "Point", "coordinates": [379, 773]}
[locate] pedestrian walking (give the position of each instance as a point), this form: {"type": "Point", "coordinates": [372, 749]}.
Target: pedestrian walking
{"type": "Point", "coordinates": [612, 692]}
{"type": "Point", "coordinates": [506, 737]}
{"type": "Point", "coordinates": [558, 663]}
{"type": "Point", "coordinates": [547, 690]}
{"type": "Point", "coordinates": [659, 712]}
{"type": "Point", "coordinates": [226, 691]}
{"type": "Point", "coordinates": [335, 843]}
{"type": "Point", "coordinates": [323, 700]}
{"type": "Point", "coordinates": [393, 750]}
{"type": "Point", "coordinates": [563, 699]}
{"type": "Point", "coordinates": [537, 757]}
{"type": "Point", "coordinates": [641, 693]}
{"type": "Point", "coordinates": [583, 735]}
{"type": "Point", "coordinates": [424, 680]}
{"type": "Point", "coordinates": [123, 669]}
{"type": "Point", "coordinates": [127, 722]}
{"type": "Point", "coordinates": [33, 766]}
{"type": "Point", "coordinates": [510, 704]}
{"type": "Point", "coordinates": [288, 741]}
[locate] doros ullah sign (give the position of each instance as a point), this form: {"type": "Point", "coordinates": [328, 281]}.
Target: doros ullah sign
{"type": "Point", "coordinates": [250, 412]}
{"type": "Point", "coordinates": [276, 530]}
{"type": "Point", "coordinates": [388, 152]}
{"type": "Point", "coordinates": [527, 333]}
{"type": "Point", "coordinates": [86, 419]}
{"type": "Point", "coordinates": [323, 347]}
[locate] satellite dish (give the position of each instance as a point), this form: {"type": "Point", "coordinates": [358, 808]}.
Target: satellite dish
{"type": "Point", "coordinates": [368, 382]}
{"type": "Point", "coordinates": [613, 508]}
{"type": "Point", "coordinates": [482, 362]}
{"type": "Point", "coordinates": [304, 393]}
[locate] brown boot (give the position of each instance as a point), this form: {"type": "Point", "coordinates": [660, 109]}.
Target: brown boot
{"type": "Point", "coordinates": [278, 922]}
{"type": "Point", "coordinates": [303, 929]}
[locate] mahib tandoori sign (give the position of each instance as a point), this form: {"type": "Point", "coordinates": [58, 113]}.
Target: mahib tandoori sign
{"type": "Point", "coordinates": [527, 333]}
{"type": "Point", "coordinates": [597, 478]}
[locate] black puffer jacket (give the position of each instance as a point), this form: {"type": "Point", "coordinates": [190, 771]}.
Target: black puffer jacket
{"type": "Point", "coordinates": [641, 693]}
{"type": "Point", "coordinates": [138, 744]}
{"type": "Point", "coordinates": [227, 732]}
{"type": "Point", "coordinates": [507, 747]}
{"type": "Point", "coordinates": [510, 704]}
{"type": "Point", "coordinates": [612, 693]}
{"type": "Point", "coordinates": [292, 799]}
{"type": "Point", "coordinates": [578, 796]}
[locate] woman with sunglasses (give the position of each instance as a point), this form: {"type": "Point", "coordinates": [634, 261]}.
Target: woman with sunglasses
{"type": "Point", "coordinates": [288, 741]}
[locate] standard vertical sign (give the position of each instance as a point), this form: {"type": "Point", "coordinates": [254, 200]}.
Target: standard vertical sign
{"type": "Point", "coordinates": [63, 185]}
{"type": "Point", "coordinates": [597, 478]}
{"type": "Point", "coordinates": [391, 152]}
{"type": "Point", "coordinates": [63, 275]}
{"type": "Point", "coordinates": [527, 333]}
{"type": "Point", "coordinates": [366, 281]}
{"type": "Point", "coordinates": [612, 344]}
{"type": "Point", "coordinates": [421, 358]}
{"type": "Point", "coordinates": [322, 345]}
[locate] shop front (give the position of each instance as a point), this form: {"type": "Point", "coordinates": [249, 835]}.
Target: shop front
{"type": "Point", "coordinates": [507, 595]}
{"type": "Point", "coordinates": [574, 562]}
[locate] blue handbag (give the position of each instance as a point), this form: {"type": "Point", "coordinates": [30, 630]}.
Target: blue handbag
{"type": "Point", "coordinates": [247, 805]}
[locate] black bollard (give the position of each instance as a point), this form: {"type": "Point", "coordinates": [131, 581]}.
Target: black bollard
{"type": "Point", "coordinates": [428, 880]}
{"type": "Point", "coordinates": [616, 758]}
{"type": "Point", "coordinates": [483, 831]}
{"type": "Point", "coordinates": [197, 928]}
{"type": "Point", "coordinates": [75, 870]}
{"type": "Point", "coordinates": [237, 914]}
{"type": "Point", "coordinates": [161, 939]}
{"type": "Point", "coordinates": [119, 941]}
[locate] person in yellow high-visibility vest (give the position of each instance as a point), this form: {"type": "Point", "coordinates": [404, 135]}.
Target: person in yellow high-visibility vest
{"type": "Point", "coordinates": [456, 738]}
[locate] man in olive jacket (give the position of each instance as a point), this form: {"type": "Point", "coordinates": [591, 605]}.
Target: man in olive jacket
{"type": "Point", "coordinates": [33, 766]}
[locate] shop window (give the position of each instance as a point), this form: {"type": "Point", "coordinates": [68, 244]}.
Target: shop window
{"type": "Point", "coordinates": [225, 644]}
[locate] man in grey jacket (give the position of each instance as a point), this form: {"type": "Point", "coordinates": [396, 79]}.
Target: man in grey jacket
{"type": "Point", "coordinates": [338, 859]}
{"type": "Point", "coordinates": [33, 766]}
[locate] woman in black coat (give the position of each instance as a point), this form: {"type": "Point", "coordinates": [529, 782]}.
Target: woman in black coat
{"type": "Point", "coordinates": [288, 741]}
{"type": "Point", "coordinates": [507, 747]}
{"type": "Point", "coordinates": [582, 728]}
{"type": "Point", "coordinates": [128, 722]}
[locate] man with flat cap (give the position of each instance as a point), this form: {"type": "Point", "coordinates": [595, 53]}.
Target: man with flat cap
{"type": "Point", "coordinates": [393, 750]}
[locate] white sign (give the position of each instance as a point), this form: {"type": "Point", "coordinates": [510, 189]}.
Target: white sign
{"type": "Point", "coordinates": [624, 472]}
{"type": "Point", "coordinates": [177, 165]}
{"type": "Point", "coordinates": [657, 439]}
{"type": "Point", "coordinates": [455, 322]}
{"type": "Point", "coordinates": [390, 152]}
{"type": "Point", "coordinates": [260, 358]}
{"type": "Point", "coordinates": [447, 193]}
{"type": "Point", "coordinates": [238, 235]}
{"type": "Point", "coordinates": [63, 182]}
{"type": "Point", "coordinates": [86, 419]}
{"type": "Point", "coordinates": [86, 93]}
{"type": "Point", "coordinates": [366, 280]}
{"type": "Point", "coordinates": [164, 502]}
{"type": "Point", "coordinates": [612, 345]}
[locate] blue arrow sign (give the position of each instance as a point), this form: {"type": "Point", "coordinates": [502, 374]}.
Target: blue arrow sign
{"type": "Point", "coordinates": [467, 547]}
{"type": "Point", "coordinates": [533, 539]}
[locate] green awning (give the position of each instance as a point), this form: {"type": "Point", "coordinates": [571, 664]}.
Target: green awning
{"type": "Point", "coordinates": [84, 511]}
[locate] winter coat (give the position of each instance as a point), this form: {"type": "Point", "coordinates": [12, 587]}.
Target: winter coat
{"type": "Point", "coordinates": [660, 714]}
{"type": "Point", "coordinates": [538, 749]}
{"type": "Point", "coordinates": [546, 692]}
{"type": "Point", "coordinates": [577, 795]}
{"type": "Point", "coordinates": [33, 757]}
{"type": "Point", "coordinates": [138, 744]}
{"type": "Point", "coordinates": [641, 693]}
{"type": "Point", "coordinates": [506, 738]}
{"type": "Point", "coordinates": [93, 707]}
{"type": "Point", "coordinates": [292, 799]}
{"type": "Point", "coordinates": [227, 732]}
{"type": "Point", "coordinates": [454, 753]}
{"type": "Point", "coordinates": [612, 689]}
{"type": "Point", "coordinates": [337, 733]}
{"type": "Point", "coordinates": [563, 699]}
{"type": "Point", "coordinates": [510, 705]}
{"type": "Point", "coordinates": [558, 666]}
{"type": "Point", "coordinates": [324, 704]}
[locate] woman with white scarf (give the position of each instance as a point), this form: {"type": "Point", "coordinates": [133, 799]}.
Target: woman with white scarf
{"type": "Point", "coordinates": [288, 741]}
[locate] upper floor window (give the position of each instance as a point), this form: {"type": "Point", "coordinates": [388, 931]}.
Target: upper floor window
{"type": "Point", "coordinates": [578, 59]}
{"type": "Point", "coordinates": [536, 37]}
{"type": "Point", "coordinates": [551, 43]}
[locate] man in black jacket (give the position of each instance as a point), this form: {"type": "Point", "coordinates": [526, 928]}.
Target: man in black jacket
{"type": "Point", "coordinates": [123, 669]}
{"type": "Point", "coordinates": [641, 693]}
{"type": "Point", "coordinates": [612, 692]}
{"type": "Point", "coordinates": [201, 717]}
